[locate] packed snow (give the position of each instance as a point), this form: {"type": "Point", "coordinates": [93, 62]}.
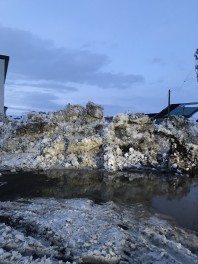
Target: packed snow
{"type": "Point", "coordinates": [80, 137]}
{"type": "Point", "coordinates": [79, 231]}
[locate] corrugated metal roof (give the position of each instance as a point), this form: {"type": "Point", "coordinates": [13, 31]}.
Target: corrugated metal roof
{"type": "Point", "coordinates": [183, 109]}
{"type": "Point", "coordinates": [164, 112]}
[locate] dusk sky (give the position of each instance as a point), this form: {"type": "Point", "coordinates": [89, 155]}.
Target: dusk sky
{"type": "Point", "coordinates": [122, 54]}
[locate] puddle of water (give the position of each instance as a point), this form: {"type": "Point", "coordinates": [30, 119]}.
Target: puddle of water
{"type": "Point", "coordinates": [184, 209]}
{"type": "Point", "coordinates": [177, 198]}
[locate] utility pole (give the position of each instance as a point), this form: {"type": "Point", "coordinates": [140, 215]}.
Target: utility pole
{"type": "Point", "coordinates": [170, 150]}
{"type": "Point", "coordinates": [169, 92]}
{"type": "Point", "coordinates": [196, 63]}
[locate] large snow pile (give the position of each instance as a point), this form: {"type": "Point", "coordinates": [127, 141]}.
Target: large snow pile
{"type": "Point", "coordinates": [80, 137]}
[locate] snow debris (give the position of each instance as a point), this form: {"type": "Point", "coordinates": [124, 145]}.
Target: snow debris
{"type": "Point", "coordinates": [79, 231]}
{"type": "Point", "coordinates": [80, 137]}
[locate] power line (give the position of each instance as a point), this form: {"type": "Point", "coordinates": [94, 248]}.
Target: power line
{"type": "Point", "coordinates": [178, 89]}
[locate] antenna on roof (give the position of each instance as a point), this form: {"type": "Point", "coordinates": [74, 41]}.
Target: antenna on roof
{"type": "Point", "coordinates": [196, 62]}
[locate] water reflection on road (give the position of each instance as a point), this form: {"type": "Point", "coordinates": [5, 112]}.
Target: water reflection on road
{"type": "Point", "coordinates": [175, 197]}
{"type": "Point", "coordinates": [183, 209]}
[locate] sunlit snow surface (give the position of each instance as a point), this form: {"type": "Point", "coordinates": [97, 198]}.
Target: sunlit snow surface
{"type": "Point", "coordinates": [77, 230]}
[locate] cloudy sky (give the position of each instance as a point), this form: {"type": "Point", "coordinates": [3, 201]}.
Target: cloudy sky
{"type": "Point", "coordinates": [123, 54]}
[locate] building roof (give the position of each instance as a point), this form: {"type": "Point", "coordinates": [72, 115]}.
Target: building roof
{"type": "Point", "coordinates": [6, 58]}
{"type": "Point", "coordinates": [183, 109]}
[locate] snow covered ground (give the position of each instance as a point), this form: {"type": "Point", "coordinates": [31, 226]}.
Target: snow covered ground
{"type": "Point", "coordinates": [79, 231]}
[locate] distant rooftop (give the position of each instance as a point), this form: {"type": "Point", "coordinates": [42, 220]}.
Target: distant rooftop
{"type": "Point", "coordinates": [183, 109]}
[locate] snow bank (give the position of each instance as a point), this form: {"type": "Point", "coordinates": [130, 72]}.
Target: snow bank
{"type": "Point", "coordinates": [80, 137]}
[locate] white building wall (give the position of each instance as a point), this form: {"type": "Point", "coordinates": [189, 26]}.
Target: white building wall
{"type": "Point", "coordinates": [2, 76]}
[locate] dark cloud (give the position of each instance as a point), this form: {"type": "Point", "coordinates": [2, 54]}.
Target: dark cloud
{"type": "Point", "coordinates": [157, 82]}
{"type": "Point", "coordinates": [48, 85]}
{"type": "Point", "coordinates": [34, 100]}
{"type": "Point", "coordinates": [37, 59]}
{"type": "Point", "coordinates": [159, 61]}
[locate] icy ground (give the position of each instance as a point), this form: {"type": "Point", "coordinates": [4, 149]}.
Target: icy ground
{"type": "Point", "coordinates": [79, 231]}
